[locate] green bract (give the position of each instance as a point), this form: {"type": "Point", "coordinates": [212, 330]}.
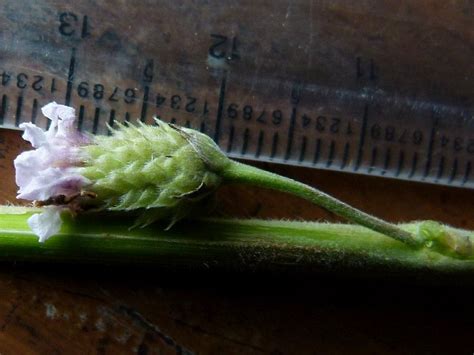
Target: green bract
{"type": "Point", "coordinates": [160, 171]}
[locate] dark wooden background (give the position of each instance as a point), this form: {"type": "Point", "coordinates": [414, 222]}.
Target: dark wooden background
{"type": "Point", "coordinates": [69, 310]}
{"type": "Point", "coordinates": [91, 310]}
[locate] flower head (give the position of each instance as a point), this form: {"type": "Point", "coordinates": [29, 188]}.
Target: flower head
{"type": "Point", "coordinates": [157, 171]}
{"type": "Point", "coordinates": [50, 170]}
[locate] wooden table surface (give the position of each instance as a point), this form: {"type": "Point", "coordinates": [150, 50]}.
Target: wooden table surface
{"type": "Point", "coordinates": [69, 310]}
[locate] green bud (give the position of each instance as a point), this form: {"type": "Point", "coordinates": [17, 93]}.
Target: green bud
{"type": "Point", "coordinates": [159, 171]}
{"type": "Point", "coordinates": [446, 240]}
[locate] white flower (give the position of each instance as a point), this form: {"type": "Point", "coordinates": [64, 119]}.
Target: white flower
{"type": "Point", "coordinates": [47, 223]}
{"type": "Point", "coordinates": [51, 169]}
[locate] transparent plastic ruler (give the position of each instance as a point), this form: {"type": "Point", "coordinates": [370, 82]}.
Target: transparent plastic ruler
{"type": "Point", "coordinates": [363, 87]}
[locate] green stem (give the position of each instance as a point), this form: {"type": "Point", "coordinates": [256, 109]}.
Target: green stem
{"type": "Point", "coordinates": [242, 173]}
{"type": "Point", "coordinates": [233, 245]}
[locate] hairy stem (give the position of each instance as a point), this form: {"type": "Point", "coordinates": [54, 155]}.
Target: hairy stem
{"type": "Point", "coordinates": [235, 245]}
{"type": "Point", "coordinates": [242, 173]}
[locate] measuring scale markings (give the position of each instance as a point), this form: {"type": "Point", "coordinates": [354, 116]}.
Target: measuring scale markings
{"type": "Point", "coordinates": [246, 135]}
{"type": "Point", "coordinates": [356, 105]}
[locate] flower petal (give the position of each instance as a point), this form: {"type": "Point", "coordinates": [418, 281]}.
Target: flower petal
{"type": "Point", "coordinates": [54, 112]}
{"type": "Point", "coordinates": [52, 182]}
{"type": "Point", "coordinates": [49, 111]}
{"type": "Point", "coordinates": [29, 164]}
{"type": "Point", "coordinates": [66, 127]}
{"type": "Point", "coordinates": [47, 223]}
{"type": "Point", "coordinates": [33, 134]}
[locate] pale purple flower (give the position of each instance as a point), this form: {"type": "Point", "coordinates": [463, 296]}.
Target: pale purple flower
{"type": "Point", "coordinates": [51, 169]}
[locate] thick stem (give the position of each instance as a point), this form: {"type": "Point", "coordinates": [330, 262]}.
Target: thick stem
{"type": "Point", "coordinates": [233, 245]}
{"type": "Point", "coordinates": [242, 173]}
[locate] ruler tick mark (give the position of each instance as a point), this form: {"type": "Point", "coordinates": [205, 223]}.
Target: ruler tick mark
{"type": "Point", "coordinates": [80, 119]}
{"type": "Point", "coordinates": [373, 159]}
{"type": "Point", "coordinates": [345, 156]}
{"type": "Point", "coordinates": [34, 111]}
{"type": "Point", "coordinates": [302, 149]}
{"type": "Point", "coordinates": [274, 145]}
{"type": "Point", "coordinates": [70, 77]}
{"type": "Point", "coordinates": [19, 108]}
{"type": "Point", "coordinates": [332, 149]}
{"type": "Point", "coordinates": [259, 144]}
{"type": "Point", "coordinates": [3, 109]}
{"type": "Point", "coordinates": [440, 168]}
{"type": "Point", "coordinates": [246, 141]}
{"type": "Point", "coordinates": [430, 147]}
{"type": "Point", "coordinates": [454, 171]}
{"type": "Point", "coordinates": [363, 129]}
{"type": "Point", "coordinates": [291, 131]}
{"type": "Point", "coordinates": [202, 128]}
{"type": "Point", "coordinates": [414, 164]}
{"type": "Point", "coordinates": [388, 155]}
{"type": "Point", "coordinates": [112, 118]}
{"type": "Point", "coordinates": [401, 162]}
{"type": "Point", "coordinates": [53, 85]}
{"type": "Point", "coordinates": [96, 121]}
{"type": "Point", "coordinates": [146, 93]}
{"type": "Point", "coordinates": [220, 108]}
{"type": "Point", "coordinates": [317, 151]}
{"type": "Point", "coordinates": [467, 173]}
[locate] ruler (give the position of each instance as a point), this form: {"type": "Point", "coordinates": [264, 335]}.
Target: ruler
{"type": "Point", "coordinates": [362, 87]}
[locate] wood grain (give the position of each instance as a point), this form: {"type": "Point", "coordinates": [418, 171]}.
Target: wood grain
{"type": "Point", "coordinates": [51, 310]}
{"type": "Point", "coordinates": [73, 310]}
